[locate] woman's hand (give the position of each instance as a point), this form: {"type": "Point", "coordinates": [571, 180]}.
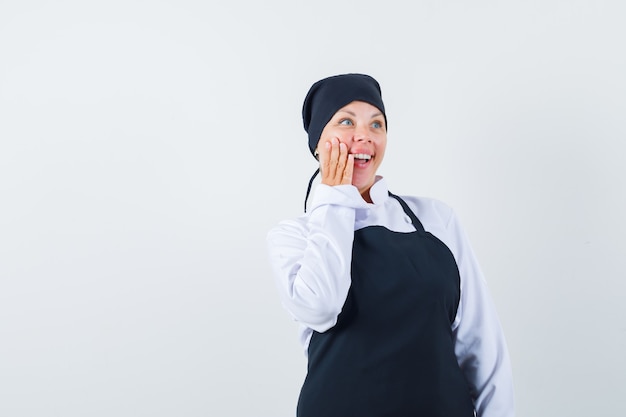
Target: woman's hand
{"type": "Point", "coordinates": [336, 164]}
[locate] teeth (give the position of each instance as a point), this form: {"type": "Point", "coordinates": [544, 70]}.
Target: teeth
{"type": "Point", "coordinates": [362, 156]}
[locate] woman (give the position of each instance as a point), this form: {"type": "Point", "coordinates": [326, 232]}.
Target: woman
{"type": "Point", "coordinates": [395, 315]}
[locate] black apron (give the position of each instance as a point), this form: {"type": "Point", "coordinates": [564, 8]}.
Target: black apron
{"type": "Point", "coordinates": [391, 352]}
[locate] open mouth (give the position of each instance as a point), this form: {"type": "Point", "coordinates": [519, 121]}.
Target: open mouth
{"type": "Point", "coordinates": [361, 159]}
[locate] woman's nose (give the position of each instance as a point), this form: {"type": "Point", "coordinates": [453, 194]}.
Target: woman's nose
{"type": "Point", "coordinates": [361, 133]}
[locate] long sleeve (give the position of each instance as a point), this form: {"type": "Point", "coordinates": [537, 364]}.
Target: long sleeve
{"type": "Point", "coordinates": [311, 257]}
{"type": "Point", "coordinates": [480, 344]}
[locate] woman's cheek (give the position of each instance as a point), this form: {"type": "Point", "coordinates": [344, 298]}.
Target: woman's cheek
{"type": "Point", "coordinates": [343, 137]}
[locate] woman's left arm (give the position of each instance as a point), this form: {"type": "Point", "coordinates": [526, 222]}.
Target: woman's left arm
{"type": "Point", "coordinates": [480, 345]}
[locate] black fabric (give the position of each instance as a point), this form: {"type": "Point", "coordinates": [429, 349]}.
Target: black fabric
{"type": "Point", "coordinates": [330, 94]}
{"type": "Point", "coordinates": [308, 189]}
{"type": "Point", "coordinates": [391, 352]}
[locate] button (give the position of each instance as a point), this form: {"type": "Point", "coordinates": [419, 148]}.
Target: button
{"type": "Point", "coordinates": [407, 219]}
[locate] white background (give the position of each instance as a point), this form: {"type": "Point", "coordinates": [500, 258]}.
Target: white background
{"type": "Point", "coordinates": [146, 147]}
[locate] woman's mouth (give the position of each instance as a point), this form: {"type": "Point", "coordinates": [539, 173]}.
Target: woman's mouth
{"type": "Point", "coordinates": [361, 159]}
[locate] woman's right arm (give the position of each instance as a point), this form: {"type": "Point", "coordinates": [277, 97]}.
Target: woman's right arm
{"type": "Point", "coordinates": [311, 257]}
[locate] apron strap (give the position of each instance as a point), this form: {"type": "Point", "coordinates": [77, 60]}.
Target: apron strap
{"type": "Point", "coordinates": [416, 223]}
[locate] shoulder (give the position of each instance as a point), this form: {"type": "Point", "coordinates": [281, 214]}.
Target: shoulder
{"type": "Point", "coordinates": [295, 226]}
{"type": "Point", "coordinates": [440, 219]}
{"type": "Point", "coordinates": [433, 213]}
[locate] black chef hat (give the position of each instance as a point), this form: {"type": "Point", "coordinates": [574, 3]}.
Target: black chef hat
{"type": "Point", "coordinates": [330, 94]}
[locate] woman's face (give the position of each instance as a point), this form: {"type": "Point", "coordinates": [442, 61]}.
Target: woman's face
{"type": "Point", "coordinates": [361, 127]}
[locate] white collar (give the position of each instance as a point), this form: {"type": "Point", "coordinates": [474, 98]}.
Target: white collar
{"type": "Point", "coordinates": [379, 191]}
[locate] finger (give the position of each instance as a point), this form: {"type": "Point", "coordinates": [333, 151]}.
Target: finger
{"type": "Point", "coordinates": [324, 155]}
{"type": "Point", "coordinates": [347, 173]}
{"type": "Point", "coordinates": [341, 162]}
{"type": "Point", "coordinates": [333, 160]}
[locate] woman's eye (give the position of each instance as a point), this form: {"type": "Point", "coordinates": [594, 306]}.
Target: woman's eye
{"type": "Point", "coordinates": [377, 125]}
{"type": "Point", "coordinates": [345, 122]}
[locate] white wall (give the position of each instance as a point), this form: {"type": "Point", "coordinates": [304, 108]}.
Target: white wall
{"type": "Point", "coordinates": [147, 147]}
